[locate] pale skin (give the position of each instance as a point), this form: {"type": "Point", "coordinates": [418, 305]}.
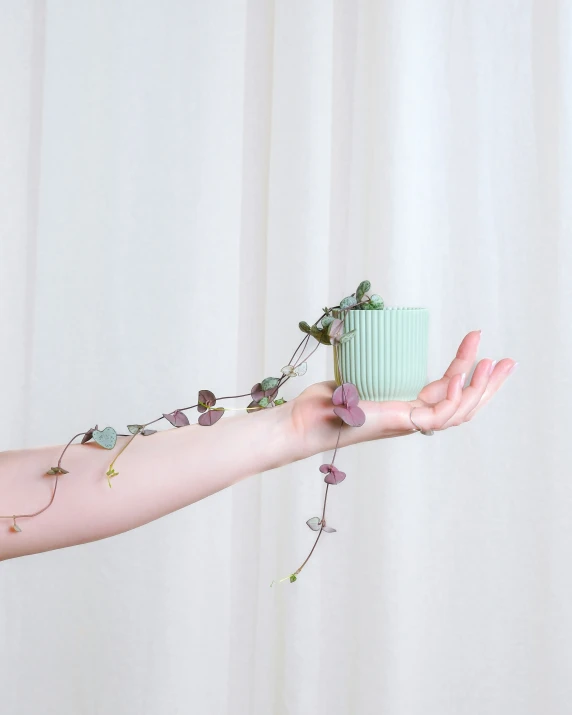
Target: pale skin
{"type": "Point", "coordinates": [176, 467]}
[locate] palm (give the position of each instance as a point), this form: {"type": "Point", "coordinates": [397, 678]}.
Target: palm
{"type": "Point", "coordinates": [442, 403]}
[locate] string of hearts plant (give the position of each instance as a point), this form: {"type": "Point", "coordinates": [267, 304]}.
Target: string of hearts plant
{"type": "Point", "coordinates": [327, 330]}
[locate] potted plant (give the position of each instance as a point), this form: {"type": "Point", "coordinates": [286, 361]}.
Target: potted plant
{"type": "Point", "coordinates": [386, 357]}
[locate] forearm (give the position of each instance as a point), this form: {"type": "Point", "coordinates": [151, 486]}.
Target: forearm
{"type": "Point", "coordinates": [157, 475]}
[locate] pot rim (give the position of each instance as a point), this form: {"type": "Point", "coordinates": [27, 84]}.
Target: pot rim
{"type": "Point", "coordinates": [387, 307]}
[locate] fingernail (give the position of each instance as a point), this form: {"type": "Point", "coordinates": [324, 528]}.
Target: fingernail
{"type": "Point", "coordinates": [513, 368]}
{"type": "Point", "coordinates": [463, 379]}
{"type": "Point", "coordinates": [492, 367]}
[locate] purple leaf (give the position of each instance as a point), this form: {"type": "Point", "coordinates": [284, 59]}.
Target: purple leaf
{"type": "Point", "coordinates": [352, 416]}
{"type": "Point", "coordinates": [147, 432]}
{"type": "Point", "coordinates": [207, 398]}
{"type": "Point", "coordinates": [336, 329]}
{"type": "Point", "coordinates": [257, 393]}
{"type": "Point", "coordinates": [177, 418]}
{"type": "Point", "coordinates": [329, 529]}
{"type": "Point", "coordinates": [88, 435]}
{"type": "Point", "coordinates": [346, 394]}
{"type": "Point", "coordinates": [251, 405]}
{"type": "Point", "coordinates": [210, 417]}
{"type": "Point", "coordinates": [333, 474]}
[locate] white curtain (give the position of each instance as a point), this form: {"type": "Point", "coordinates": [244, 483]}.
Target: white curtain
{"type": "Point", "coordinates": [181, 182]}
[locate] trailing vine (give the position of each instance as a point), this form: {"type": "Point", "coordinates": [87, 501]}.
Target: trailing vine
{"type": "Point", "coordinates": [326, 330]}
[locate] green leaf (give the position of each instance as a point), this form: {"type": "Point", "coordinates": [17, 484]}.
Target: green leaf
{"type": "Point", "coordinates": [348, 302]}
{"type": "Point", "coordinates": [346, 337]}
{"type": "Point", "coordinates": [134, 428]}
{"type": "Point", "coordinates": [304, 327]}
{"type": "Point", "coordinates": [363, 287]}
{"type": "Point", "coordinates": [279, 401]}
{"type": "Point", "coordinates": [321, 335]}
{"type": "Point", "coordinates": [268, 383]}
{"type": "Point", "coordinates": [292, 578]}
{"type": "Point", "coordinates": [376, 300]}
{"type": "Point", "coordinates": [263, 402]}
{"type": "Point", "coordinates": [326, 321]}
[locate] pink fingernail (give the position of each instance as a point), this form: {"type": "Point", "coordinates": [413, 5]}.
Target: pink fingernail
{"type": "Point", "coordinates": [513, 368]}
{"type": "Point", "coordinates": [463, 379]}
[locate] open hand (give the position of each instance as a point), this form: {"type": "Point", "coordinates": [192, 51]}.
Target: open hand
{"type": "Point", "coordinates": [440, 404]}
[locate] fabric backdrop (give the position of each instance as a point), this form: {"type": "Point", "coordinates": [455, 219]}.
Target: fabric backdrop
{"type": "Point", "coordinates": [180, 184]}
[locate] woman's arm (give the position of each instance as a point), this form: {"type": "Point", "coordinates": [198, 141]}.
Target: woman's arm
{"type": "Point", "coordinates": [173, 468]}
{"type": "Point", "coordinates": [156, 475]}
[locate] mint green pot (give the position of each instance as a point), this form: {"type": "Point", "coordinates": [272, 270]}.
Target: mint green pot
{"type": "Point", "coordinates": [387, 357]}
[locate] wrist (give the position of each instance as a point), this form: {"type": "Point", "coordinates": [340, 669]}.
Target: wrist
{"type": "Point", "coordinates": [291, 441]}
{"type": "Point", "coordinates": [318, 429]}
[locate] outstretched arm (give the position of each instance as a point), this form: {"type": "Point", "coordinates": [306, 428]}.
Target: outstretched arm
{"type": "Point", "coordinates": [173, 468]}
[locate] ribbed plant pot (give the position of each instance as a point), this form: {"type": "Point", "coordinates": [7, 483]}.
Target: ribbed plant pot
{"type": "Point", "coordinates": [387, 357]}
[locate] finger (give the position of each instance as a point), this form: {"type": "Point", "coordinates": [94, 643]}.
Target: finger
{"type": "Point", "coordinates": [435, 416]}
{"type": "Point", "coordinates": [466, 354]}
{"type": "Point", "coordinates": [495, 382]}
{"type": "Point", "coordinates": [462, 362]}
{"type": "Point", "coordinates": [473, 393]}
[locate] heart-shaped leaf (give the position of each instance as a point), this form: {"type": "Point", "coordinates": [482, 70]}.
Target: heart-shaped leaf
{"type": "Point", "coordinates": [333, 474]}
{"type": "Point", "coordinates": [353, 416]}
{"type": "Point", "coordinates": [177, 418]}
{"type": "Point", "coordinates": [257, 393]}
{"type": "Point", "coordinates": [206, 397]}
{"type": "Point", "coordinates": [348, 302]}
{"type": "Point", "coordinates": [346, 394]}
{"type": "Point", "coordinates": [106, 438]}
{"type": "Point", "coordinates": [336, 330]}
{"type": "Point", "coordinates": [269, 382]}
{"type": "Point", "coordinates": [363, 288]}
{"type": "Point", "coordinates": [147, 432]}
{"type": "Point", "coordinates": [301, 368]}
{"type": "Point", "coordinates": [294, 370]}
{"type": "Point", "coordinates": [315, 523]}
{"type": "Point", "coordinates": [134, 429]}
{"type": "Point", "coordinates": [210, 417]}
